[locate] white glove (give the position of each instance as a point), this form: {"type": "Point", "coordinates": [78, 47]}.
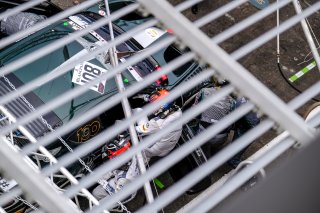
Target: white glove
{"type": "Point", "coordinates": [121, 182]}
{"type": "Point", "coordinates": [141, 128]}
{"type": "Point", "coordinates": [144, 97]}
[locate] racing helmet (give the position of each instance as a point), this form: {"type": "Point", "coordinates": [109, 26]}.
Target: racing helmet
{"type": "Point", "coordinates": [159, 94]}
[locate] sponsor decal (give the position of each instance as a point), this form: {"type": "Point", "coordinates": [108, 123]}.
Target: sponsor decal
{"type": "Point", "coordinates": [85, 72]}
{"type": "Point", "coordinates": [148, 36]}
{"type": "Point", "coordinates": [76, 21]}
{"type": "Point", "coordinates": [132, 71]}
{"type": "Point", "coordinates": [83, 24]}
{"type": "Point", "coordinates": [74, 25]}
{"type": "Point", "coordinates": [152, 32]}
{"type": "Point", "coordinates": [6, 185]}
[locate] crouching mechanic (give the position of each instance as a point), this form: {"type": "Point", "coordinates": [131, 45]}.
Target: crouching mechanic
{"type": "Point", "coordinates": [219, 110]}
{"type": "Point", "coordinates": [161, 118]}
{"type": "Point", "coordinates": [114, 181]}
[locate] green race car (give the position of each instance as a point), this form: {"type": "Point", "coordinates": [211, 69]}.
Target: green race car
{"type": "Point", "coordinates": [79, 76]}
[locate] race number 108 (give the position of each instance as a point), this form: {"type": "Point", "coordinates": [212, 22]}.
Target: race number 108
{"type": "Point", "coordinates": [90, 73]}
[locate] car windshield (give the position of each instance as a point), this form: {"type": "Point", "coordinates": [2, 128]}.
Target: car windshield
{"type": "Point", "coordinates": [76, 77]}
{"type": "Point", "coordinates": [172, 53]}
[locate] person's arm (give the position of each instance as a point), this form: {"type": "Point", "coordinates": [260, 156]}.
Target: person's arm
{"type": "Point", "coordinates": [149, 127]}
{"type": "Point", "coordinates": [247, 122]}
{"type": "Point", "coordinates": [166, 143]}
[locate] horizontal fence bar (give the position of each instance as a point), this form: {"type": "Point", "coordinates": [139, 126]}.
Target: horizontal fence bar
{"type": "Point", "coordinates": [267, 101]}
{"type": "Point", "coordinates": [187, 4]}
{"type": "Point", "coordinates": [188, 115]}
{"type": "Point", "coordinates": [60, 70]}
{"type": "Point", "coordinates": [61, 42]}
{"type": "Point", "coordinates": [173, 192]}
{"type": "Point", "coordinates": [262, 39]}
{"type": "Point", "coordinates": [7, 197]}
{"type": "Point", "coordinates": [31, 181]}
{"type": "Point", "coordinates": [111, 132]}
{"type": "Point", "coordinates": [65, 40]}
{"type": "Point", "coordinates": [163, 200]}
{"type": "Point", "coordinates": [79, 90]}
{"type": "Point", "coordinates": [105, 105]}
{"type": "Point", "coordinates": [228, 33]}
{"type": "Point", "coordinates": [19, 8]}
{"type": "Point", "coordinates": [63, 14]}
{"type": "Point", "coordinates": [240, 178]}
{"type": "Point", "coordinates": [176, 155]}
{"type": "Point", "coordinates": [66, 67]}
{"type": "Point", "coordinates": [314, 122]}
{"type": "Point", "coordinates": [305, 96]}
{"type": "Point", "coordinates": [46, 78]}
{"type": "Point", "coordinates": [212, 164]}
{"type": "Point", "coordinates": [116, 130]}
{"type": "Point", "coordinates": [218, 13]}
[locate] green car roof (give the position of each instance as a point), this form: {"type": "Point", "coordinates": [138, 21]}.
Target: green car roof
{"type": "Point", "coordinates": [47, 64]}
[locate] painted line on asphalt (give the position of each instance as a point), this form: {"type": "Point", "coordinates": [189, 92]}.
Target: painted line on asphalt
{"type": "Point", "coordinates": [302, 72]}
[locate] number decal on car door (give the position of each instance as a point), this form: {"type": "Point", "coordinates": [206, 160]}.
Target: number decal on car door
{"type": "Point", "coordinates": [88, 131]}
{"type": "Point", "coordinates": [85, 72]}
{"type": "Point", "coordinates": [6, 185]}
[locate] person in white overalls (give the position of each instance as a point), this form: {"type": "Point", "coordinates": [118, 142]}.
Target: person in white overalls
{"type": "Point", "coordinates": [165, 115]}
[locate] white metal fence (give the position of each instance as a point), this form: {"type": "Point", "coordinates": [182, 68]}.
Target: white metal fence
{"type": "Point", "coordinates": [36, 186]}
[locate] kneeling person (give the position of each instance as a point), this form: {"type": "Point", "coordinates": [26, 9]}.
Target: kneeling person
{"type": "Point", "coordinates": [161, 118]}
